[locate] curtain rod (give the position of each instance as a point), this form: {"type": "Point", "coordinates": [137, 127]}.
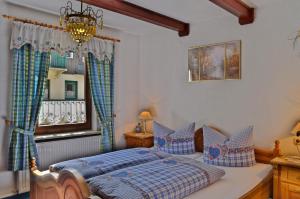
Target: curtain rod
{"type": "Point", "coordinates": [53, 26]}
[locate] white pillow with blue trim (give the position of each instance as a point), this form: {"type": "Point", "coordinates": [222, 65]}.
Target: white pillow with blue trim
{"type": "Point", "coordinates": [180, 142]}
{"type": "Point", "coordinates": [234, 151]}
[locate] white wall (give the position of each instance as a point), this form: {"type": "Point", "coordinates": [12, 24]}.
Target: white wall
{"type": "Point", "coordinates": [126, 86]}
{"type": "Point", "coordinates": [127, 64]}
{"type": "Point", "coordinates": [268, 96]}
{"type": "Point", "coordinates": [7, 178]}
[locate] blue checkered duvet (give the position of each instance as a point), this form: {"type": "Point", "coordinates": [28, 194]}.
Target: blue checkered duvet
{"type": "Point", "coordinates": [170, 178]}
{"type": "Point", "coordinates": [104, 163]}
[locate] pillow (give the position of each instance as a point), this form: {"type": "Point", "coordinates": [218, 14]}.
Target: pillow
{"type": "Point", "coordinates": [178, 142]}
{"type": "Point", "coordinates": [235, 151]}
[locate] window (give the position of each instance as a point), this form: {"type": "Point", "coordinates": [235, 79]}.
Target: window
{"type": "Point", "coordinates": [66, 106]}
{"type": "Point", "coordinates": [71, 90]}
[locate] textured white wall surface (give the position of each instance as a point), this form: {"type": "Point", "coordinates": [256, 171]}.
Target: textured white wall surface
{"type": "Point", "coordinates": [267, 96]}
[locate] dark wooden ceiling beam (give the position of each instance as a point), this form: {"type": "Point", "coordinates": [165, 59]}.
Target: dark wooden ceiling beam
{"type": "Point", "coordinates": [132, 10]}
{"type": "Point", "coordinates": [237, 8]}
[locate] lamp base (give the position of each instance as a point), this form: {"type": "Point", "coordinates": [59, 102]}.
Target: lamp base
{"type": "Point", "coordinates": [145, 126]}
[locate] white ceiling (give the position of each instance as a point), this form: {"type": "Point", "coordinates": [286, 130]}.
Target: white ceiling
{"type": "Point", "coordinates": [191, 11]}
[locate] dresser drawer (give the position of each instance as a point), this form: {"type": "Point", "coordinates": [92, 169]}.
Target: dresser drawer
{"type": "Point", "coordinates": [134, 142]}
{"type": "Point", "coordinates": [286, 179]}
{"type": "Point", "coordinates": [293, 192]}
{"type": "Point", "coordinates": [138, 139]}
{"type": "Point", "coordinates": [293, 175]}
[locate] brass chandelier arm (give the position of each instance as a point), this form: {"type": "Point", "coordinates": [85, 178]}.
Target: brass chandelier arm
{"type": "Point", "coordinates": [53, 27]}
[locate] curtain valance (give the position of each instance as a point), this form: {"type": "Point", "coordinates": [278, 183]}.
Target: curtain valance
{"type": "Point", "coordinates": [44, 39]}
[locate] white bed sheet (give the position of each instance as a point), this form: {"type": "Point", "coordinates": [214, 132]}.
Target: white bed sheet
{"type": "Point", "coordinates": [236, 182]}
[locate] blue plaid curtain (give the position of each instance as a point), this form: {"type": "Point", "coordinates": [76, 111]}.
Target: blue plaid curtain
{"type": "Point", "coordinates": [101, 78]}
{"type": "Point", "coordinates": [30, 70]}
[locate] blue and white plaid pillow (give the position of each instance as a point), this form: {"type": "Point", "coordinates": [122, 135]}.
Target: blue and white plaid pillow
{"type": "Point", "coordinates": [178, 142]}
{"type": "Point", "coordinates": [236, 151]}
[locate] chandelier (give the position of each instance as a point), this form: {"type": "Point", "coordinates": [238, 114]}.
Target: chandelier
{"type": "Point", "coordinates": [82, 25]}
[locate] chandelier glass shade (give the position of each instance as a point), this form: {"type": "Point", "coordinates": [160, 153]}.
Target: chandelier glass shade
{"type": "Point", "coordinates": [82, 25]}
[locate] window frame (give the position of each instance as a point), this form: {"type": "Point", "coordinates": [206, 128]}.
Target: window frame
{"type": "Point", "coordinates": [87, 126]}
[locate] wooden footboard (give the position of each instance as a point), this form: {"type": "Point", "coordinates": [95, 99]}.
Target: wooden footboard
{"type": "Point", "coordinates": [68, 184]}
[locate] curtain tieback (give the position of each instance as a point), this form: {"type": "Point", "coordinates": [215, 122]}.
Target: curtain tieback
{"type": "Point", "coordinates": [24, 132]}
{"type": "Point", "coordinates": [108, 121]}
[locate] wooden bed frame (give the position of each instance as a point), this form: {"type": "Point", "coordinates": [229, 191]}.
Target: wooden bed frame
{"type": "Point", "coordinates": [69, 184]}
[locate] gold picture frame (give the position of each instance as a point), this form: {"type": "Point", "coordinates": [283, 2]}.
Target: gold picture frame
{"type": "Point", "coordinates": [221, 61]}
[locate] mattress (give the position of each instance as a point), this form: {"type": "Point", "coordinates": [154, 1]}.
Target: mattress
{"type": "Point", "coordinates": [236, 182]}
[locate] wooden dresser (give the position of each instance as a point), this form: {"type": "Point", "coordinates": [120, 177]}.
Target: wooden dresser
{"type": "Point", "coordinates": [134, 139]}
{"type": "Point", "coordinates": [286, 178]}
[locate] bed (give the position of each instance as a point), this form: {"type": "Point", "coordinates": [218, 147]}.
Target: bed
{"type": "Point", "coordinates": [227, 186]}
{"type": "Point", "coordinates": [69, 184]}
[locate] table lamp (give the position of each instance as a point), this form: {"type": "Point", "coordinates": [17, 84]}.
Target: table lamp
{"type": "Point", "coordinates": [296, 132]}
{"type": "Point", "coordinates": [144, 116]}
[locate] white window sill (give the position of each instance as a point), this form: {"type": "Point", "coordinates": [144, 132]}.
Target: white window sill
{"type": "Point", "coordinates": [63, 136]}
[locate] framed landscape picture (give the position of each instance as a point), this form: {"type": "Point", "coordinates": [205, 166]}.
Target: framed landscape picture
{"type": "Point", "coordinates": [215, 62]}
{"type": "Point", "coordinates": [233, 60]}
{"type": "Point", "coordinates": [194, 64]}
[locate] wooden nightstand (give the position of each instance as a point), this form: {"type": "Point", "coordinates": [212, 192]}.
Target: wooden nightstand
{"type": "Point", "coordinates": [134, 139]}
{"type": "Point", "coordinates": [286, 178]}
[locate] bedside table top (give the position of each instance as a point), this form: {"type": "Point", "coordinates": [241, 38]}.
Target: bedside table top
{"type": "Point", "coordinates": [139, 135]}
{"type": "Point", "coordinates": [283, 160]}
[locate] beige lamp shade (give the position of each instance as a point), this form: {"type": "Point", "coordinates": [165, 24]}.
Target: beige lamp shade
{"type": "Point", "coordinates": [145, 115]}
{"type": "Point", "coordinates": [296, 129]}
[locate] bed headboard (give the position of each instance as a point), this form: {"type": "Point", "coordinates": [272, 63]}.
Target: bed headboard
{"type": "Point", "coordinates": [261, 155]}
{"type": "Point", "coordinates": [199, 140]}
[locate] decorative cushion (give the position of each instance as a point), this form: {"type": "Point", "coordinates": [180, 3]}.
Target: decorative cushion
{"type": "Point", "coordinates": [178, 142]}
{"type": "Point", "coordinates": [235, 151]}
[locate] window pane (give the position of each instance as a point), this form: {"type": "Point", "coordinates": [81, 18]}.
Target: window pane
{"type": "Point", "coordinates": [64, 99]}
